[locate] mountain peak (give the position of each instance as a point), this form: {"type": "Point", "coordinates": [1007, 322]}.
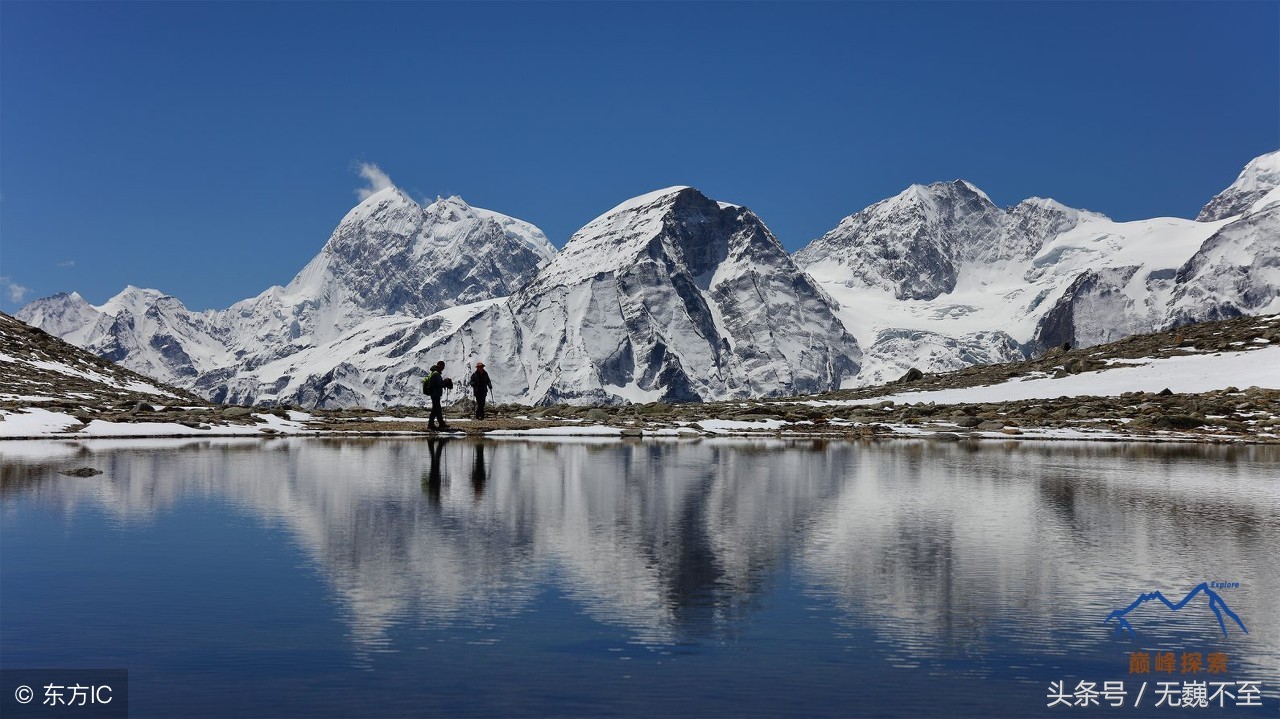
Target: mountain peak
{"type": "Point", "coordinates": [134, 299]}
{"type": "Point", "coordinates": [379, 205]}
{"type": "Point", "coordinates": [646, 200]}
{"type": "Point", "coordinates": [1259, 176]}
{"type": "Point", "coordinates": [450, 209]}
{"type": "Point", "coordinates": [626, 231]}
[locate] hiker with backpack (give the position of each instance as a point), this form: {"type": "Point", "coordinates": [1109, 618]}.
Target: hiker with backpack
{"type": "Point", "coordinates": [480, 386]}
{"type": "Point", "coordinates": [434, 386]}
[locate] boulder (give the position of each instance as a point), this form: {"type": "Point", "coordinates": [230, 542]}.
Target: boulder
{"type": "Point", "coordinates": [912, 375]}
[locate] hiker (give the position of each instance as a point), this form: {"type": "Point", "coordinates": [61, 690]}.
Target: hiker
{"type": "Point", "coordinates": [480, 385]}
{"type": "Point", "coordinates": [434, 386]}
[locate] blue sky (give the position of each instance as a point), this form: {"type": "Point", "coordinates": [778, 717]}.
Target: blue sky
{"type": "Point", "coordinates": [208, 150]}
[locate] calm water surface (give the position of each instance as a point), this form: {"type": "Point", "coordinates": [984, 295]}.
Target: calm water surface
{"type": "Point", "coordinates": [716, 578]}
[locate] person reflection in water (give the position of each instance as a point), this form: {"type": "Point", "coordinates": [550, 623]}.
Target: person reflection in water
{"type": "Point", "coordinates": [431, 478]}
{"type": "Point", "coordinates": [477, 472]}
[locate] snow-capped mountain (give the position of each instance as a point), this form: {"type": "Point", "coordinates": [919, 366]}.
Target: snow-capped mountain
{"type": "Point", "coordinates": [1259, 177]}
{"type": "Point", "coordinates": [1235, 272]}
{"type": "Point", "coordinates": [675, 296]}
{"type": "Point", "coordinates": [668, 296]}
{"type": "Point", "coordinates": [938, 277]}
{"type": "Point", "coordinates": [912, 244]}
{"type": "Point", "coordinates": [389, 256]}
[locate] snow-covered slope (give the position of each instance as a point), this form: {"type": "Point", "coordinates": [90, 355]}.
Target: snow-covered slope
{"type": "Point", "coordinates": [38, 368]}
{"type": "Point", "coordinates": [64, 315]}
{"type": "Point", "coordinates": [669, 296]}
{"type": "Point", "coordinates": [388, 256]}
{"type": "Point", "coordinates": [913, 244]}
{"type": "Point", "coordinates": [1259, 177]}
{"type": "Point", "coordinates": [939, 278]}
{"type": "Point", "coordinates": [1235, 272]}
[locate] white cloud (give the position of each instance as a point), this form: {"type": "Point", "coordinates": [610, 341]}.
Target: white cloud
{"type": "Point", "coordinates": [15, 291]}
{"type": "Point", "coordinates": [377, 179]}
{"type": "Point", "coordinates": [68, 263]}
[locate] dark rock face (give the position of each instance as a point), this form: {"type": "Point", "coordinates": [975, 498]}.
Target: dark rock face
{"type": "Point", "coordinates": [1088, 312]}
{"type": "Point", "coordinates": [913, 244]}
{"type": "Point", "coordinates": [673, 297]}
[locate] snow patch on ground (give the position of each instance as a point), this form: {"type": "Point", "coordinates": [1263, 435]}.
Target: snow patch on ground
{"type": "Point", "coordinates": [34, 422]}
{"type": "Point", "coordinates": [589, 431]}
{"type": "Point", "coordinates": [1185, 374]}
{"type": "Point", "coordinates": [732, 425]}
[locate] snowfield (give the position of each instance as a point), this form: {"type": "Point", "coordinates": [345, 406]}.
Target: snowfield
{"type": "Point", "coordinates": [1187, 374]}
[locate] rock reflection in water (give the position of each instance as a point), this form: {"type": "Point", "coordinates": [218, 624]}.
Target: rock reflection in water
{"type": "Point", "coordinates": [930, 546]}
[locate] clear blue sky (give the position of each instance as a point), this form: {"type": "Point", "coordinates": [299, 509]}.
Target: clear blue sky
{"type": "Point", "coordinates": [208, 150]}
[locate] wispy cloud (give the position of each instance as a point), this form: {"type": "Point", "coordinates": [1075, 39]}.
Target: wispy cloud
{"type": "Point", "coordinates": [68, 263]}
{"type": "Point", "coordinates": [15, 291]}
{"type": "Point", "coordinates": [377, 179]}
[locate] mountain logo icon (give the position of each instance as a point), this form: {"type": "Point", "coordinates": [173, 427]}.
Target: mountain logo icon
{"type": "Point", "coordinates": [1216, 603]}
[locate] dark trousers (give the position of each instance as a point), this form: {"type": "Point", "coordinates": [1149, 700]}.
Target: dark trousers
{"type": "Point", "coordinates": [480, 404]}
{"type": "Point", "coordinates": [437, 414]}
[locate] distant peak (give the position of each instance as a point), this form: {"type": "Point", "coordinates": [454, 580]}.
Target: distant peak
{"type": "Point", "coordinates": [1259, 176]}
{"type": "Point", "coordinates": [450, 208]}
{"type": "Point", "coordinates": [133, 290]}
{"type": "Point", "coordinates": [965, 184]}
{"type": "Point", "coordinates": [647, 199]}
{"type": "Point", "coordinates": [387, 198]}
{"type": "Point", "coordinates": [919, 193]}
{"type": "Point", "coordinates": [391, 195]}
{"type": "Point", "coordinates": [1048, 204]}
{"type": "Point", "coordinates": [1261, 173]}
{"type": "Point", "coordinates": [452, 201]}
{"type": "Point", "coordinates": [130, 298]}
{"type": "Point", "coordinates": [1044, 202]}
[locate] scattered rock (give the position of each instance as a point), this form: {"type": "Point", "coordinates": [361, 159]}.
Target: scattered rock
{"type": "Point", "coordinates": [912, 375]}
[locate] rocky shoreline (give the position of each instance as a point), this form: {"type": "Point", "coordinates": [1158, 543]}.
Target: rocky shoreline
{"type": "Point", "coordinates": [139, 407]}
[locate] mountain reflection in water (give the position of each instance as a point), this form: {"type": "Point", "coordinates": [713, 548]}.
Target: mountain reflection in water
{"type": "Point", "coordinates": [937, 550]}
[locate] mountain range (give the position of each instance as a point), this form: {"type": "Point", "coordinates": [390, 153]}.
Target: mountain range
{"type": "Point", "coordinates": [675, 296]}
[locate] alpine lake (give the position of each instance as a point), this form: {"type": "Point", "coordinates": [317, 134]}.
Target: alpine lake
{"type": "Point", "coordinates": [649, 578]}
